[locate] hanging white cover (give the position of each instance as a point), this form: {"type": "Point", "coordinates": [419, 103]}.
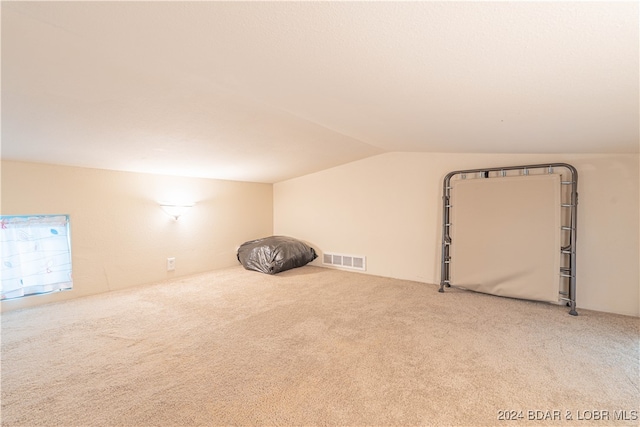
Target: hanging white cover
{"type": "Point", "coordinates": [506, 236]}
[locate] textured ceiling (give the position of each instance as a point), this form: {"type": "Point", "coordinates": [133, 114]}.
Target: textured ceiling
{"type": "Point", "coordinates": [266, 91]}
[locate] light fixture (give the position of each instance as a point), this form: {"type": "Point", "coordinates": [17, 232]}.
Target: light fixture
{"type": "Point", "coordinates": [175, 210]}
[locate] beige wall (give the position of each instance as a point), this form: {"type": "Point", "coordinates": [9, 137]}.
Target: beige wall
{"type": "Point", "coordinates": [121, 237]}
{"type": "Point", "coordinates": [388, 208]}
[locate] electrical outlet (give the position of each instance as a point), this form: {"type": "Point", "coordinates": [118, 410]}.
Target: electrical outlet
{"type": "Point", "coordinates": [171, 264]}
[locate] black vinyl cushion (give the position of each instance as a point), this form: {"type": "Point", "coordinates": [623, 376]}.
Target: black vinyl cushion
{"type": "Point", "coordinates": [274, 254]}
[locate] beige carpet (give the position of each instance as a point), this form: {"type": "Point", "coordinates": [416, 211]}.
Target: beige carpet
{"type": "Point", "coordinates": [314, 346]}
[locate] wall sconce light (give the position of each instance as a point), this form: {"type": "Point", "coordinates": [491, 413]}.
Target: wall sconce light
{"type": "Point", "coordinates": [174, 210]}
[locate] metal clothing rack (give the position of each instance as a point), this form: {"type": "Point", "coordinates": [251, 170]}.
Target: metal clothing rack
{"type": "Point", "coordinates": [567, 273]}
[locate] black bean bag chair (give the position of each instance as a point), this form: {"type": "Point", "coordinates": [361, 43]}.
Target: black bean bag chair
{"type": "Point", "coordinates": [274, 254]}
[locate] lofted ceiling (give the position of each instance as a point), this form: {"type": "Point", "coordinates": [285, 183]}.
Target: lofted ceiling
{"type": "Point", "coordinates": [267, 91]}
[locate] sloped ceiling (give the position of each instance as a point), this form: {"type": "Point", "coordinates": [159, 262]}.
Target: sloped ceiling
{"type": "Point", "coordinates": [266, 91]}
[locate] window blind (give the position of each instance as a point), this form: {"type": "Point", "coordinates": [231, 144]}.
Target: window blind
{"type": "Point", "coordinates": [36, 255]}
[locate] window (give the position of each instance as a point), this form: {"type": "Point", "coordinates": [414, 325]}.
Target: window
{"type": "Point", "coordinates": [36, 255]}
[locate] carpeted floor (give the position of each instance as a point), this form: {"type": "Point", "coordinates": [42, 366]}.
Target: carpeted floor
{"type": "Point", "coordinates": [315, 346]}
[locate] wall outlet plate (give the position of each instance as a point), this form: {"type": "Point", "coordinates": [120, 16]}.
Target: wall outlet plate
{"type": "Point", "coordinates": [171, 264]}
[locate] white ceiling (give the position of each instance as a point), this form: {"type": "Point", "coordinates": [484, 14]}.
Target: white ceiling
{"type": "Point", "coordinates": [266, 91]}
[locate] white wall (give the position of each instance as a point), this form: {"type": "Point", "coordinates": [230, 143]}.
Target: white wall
{"type": "Point", "coordinates": [121, 237]}
{"type": "Point", "coordinates": [388, 207]}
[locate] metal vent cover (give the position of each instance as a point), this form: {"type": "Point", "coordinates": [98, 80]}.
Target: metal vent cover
{"type": "Point", "coordinates": [355, 262]}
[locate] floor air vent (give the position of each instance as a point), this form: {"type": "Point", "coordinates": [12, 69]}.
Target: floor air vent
{"type": "Point", "coordinates": [355, 262]}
